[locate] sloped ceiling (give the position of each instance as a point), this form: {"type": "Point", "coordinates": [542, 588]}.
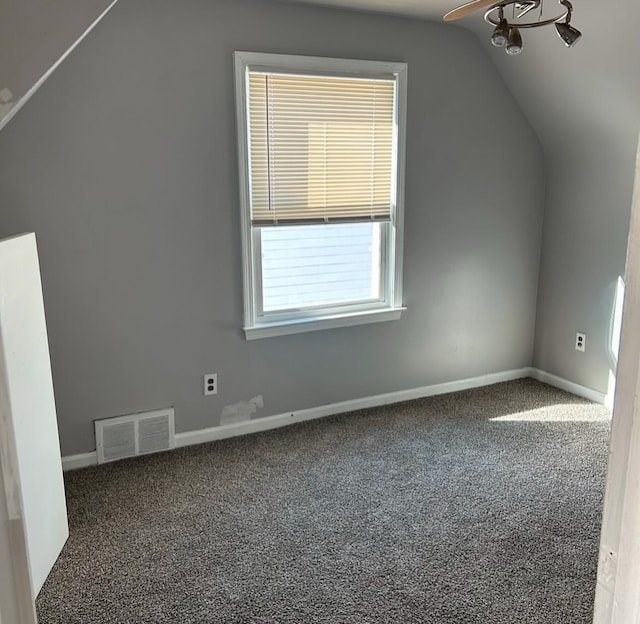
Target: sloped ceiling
{"type": "Point", "coordinates": [591, 88]}
{"type": "Point", "coordinates": [594, 85]}
{"type": "Point", "coordinates": [422, 9]}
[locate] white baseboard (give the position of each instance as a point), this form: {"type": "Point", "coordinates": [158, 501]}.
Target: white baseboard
{"type": "Point", "coordinates": [211, 434]}
{"type": "Point", "coordinates": [583, 391]}
{"type": "Point", "coordinates": [281, 420]}
{"type": "Point", "coordinates": [83, 460]}
{"type": "Point", "coordinates": [201, 436]}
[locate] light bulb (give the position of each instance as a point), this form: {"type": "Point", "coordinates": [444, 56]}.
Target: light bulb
{"type": "Point", "coordinates": [500, 35]}
{"type": "Point", "coordinates": [514, 44]}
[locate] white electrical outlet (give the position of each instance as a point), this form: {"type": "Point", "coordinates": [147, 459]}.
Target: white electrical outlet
{"type": "Point", "coordinates": [211, 383]}
{"type": "Point", "coordinates": [581, 342]}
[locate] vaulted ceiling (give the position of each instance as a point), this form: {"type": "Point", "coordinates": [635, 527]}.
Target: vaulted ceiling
{"type": "Point", "coordinates": [422, 9]}
{"type": "Point", "coordinates": [594, 86]}
{"type": "Point", "coordinates": [584, 104]}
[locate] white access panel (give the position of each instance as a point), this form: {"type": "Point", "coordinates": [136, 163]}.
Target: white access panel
{"type": "Point", "coordinates": [31, 468]}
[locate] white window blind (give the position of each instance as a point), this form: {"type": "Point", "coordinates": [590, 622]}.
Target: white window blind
{"type": "Point", "coordinates": [322, 148]}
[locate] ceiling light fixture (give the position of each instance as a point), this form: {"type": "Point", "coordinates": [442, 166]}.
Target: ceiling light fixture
{"type": "Point", "coordinates": [514, 45]}
{"type": "Point", "coordinates": [506, 34]}
{"type": "Point", "coordinates": [568, 34]}
{"type": "Point", "coordinates": [500, 35]}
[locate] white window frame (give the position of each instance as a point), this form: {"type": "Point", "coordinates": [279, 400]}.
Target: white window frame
{"type": "Point", "coordinates": [390, 308]}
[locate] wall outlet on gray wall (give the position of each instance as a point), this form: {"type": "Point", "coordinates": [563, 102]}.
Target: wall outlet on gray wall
{"type": "Point", "coordinates": [581, 342]}
{"type": "Point", "coordinates": [211, 383]}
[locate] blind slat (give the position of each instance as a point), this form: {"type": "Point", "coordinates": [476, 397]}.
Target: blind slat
{"type": "Point", "coordinates": [322, 148]}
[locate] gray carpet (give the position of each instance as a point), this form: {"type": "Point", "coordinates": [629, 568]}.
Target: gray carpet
{"type": "Point", "coordinates": [427, 511]}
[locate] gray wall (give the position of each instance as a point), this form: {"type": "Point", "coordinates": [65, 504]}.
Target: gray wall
{"type": "Point", "coordinates": [124, 163]}
{"type": "Point", "coordinates": [34, 34]}
{"type": "Point", "coordinates": [584, 103]}
{"type": "Point", "coordinates": [583, 255]}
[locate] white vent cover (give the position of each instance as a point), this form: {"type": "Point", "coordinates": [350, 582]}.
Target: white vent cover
{"type": "Point", "coordinates": [135, 434]}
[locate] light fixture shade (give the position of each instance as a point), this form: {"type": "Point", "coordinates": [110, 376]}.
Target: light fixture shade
{"type": "Point", "coordinates": [514, 44]}
{"type": "Point", "coordinates": [568, 34]}
{"type": "Point", "coordinates": [500, 35]}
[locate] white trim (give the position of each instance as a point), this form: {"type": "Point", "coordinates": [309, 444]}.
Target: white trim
{"type": "Point", "coordinates": [298, 326]}
{"type": "Point", "coordinates": [200, 436]}
{"type": "Point", "coordinates": [330, 311]}
{"type": "Point", "coordinates": [322, 64]}
{"type": "Point", "coordinates": [282, 420]}
{"type": "Point", "coordinates": [245, 200]}
{"type": "Point", "coordinates": [617, 599]}
{"type": "Point", "coordinates": [253, 327]}
{"type": "Point", "coordinates": [564, 384]}
{"type": "Point", "coordinates": [211, 434]}
{"type": "Point", "coordinates": [397, 237]}
{"type": "Point", "coordinates": [82, 460]}
{"type": "Point", "coordinates": [27, 96]}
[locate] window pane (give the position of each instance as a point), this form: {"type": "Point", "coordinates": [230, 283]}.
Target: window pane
{"type": "Point", "coordinates": [320, 265]}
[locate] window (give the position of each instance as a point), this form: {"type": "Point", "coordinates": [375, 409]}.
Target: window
{"type": "Point", "coordinates": [321, 153]}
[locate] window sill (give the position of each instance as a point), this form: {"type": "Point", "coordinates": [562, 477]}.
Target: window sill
{"type": "Point", "coordinates": [298, 326]}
